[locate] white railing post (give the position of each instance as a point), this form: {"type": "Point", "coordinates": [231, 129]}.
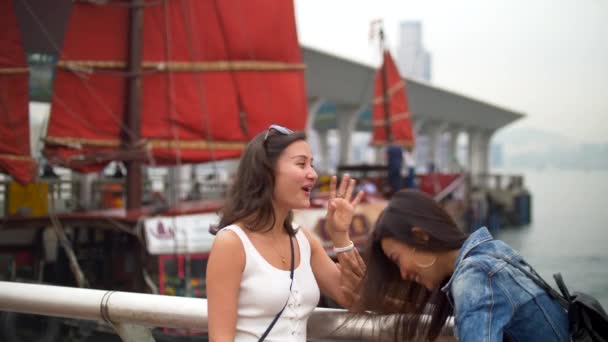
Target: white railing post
{"type": "Point", "coordinates": [133, 333]}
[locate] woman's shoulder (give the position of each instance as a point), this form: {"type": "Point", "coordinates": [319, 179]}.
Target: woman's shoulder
{"type": "Point", "coordinates": [307, 233]}
{"type": "Point", "coordinates": [235, 227]}
{"type": "Point", "coordinates": [482, 265]}
{"type": "Point", "coordinates": [299, 229]}
{"type": "Point", "coordinates": [472, 265]}
{"type": "Point", "coordinates": [490, 255]}
{"type": "Point", "coordinates": [471, 282]}
{"type": "Point", "coordinates": [229, 237]}
{"type": "Point", "coordinates": [314, 243]}
{"type": "Point", "coordinates": [474, 269]}
{"type": "Point", "coordinates": [228, 249]}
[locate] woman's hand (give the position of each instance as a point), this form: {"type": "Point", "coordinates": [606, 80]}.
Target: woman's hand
{"type": "Point", "coordinates": [341, 208]}
{"type": "Point", "coordinates": [352, 270]}
{"type": "Point", "coordinates": [339, 281]}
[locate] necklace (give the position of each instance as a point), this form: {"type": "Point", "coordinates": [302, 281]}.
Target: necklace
{"type": "Point", "coordinates": [283, 260]}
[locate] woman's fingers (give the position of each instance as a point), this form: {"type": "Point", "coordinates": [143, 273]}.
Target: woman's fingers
{"type": "Point", "coordinates": [353, 269]}
{"type": "Point", "coordinates": [350, 188]}
{"type": "Point", "coordinates": [343, 185]}
{"type": "Point", "coordinates": [358, 198]}
{"type": "Point", "coordinates": [332, 187]}
{"type": "Point", "coordinates": [344, 190]}
{"type": "Point", "coordinates": [350, 296]}
{"type": "Point", "coordinates": [360, 262]}
{"type": "Point", "coordinates": [331, 209]}
{"type": "Point", "coordinates": [354, 261]}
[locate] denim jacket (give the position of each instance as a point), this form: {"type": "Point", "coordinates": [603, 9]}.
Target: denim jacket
{"type": "Point", "coordinates": [493, 300]}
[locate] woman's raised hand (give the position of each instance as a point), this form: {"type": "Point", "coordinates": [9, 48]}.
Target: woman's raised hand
{"type": "Point", "coordinates": [341, 206]}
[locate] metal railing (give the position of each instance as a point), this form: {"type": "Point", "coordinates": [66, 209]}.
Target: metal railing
{"type": "Point", "coordinates": [451, 188]}
{"type": "Point", "coordinates": [131, 314]}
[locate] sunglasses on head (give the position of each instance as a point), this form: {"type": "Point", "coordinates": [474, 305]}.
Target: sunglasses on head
{"type": "Point", "coordinates": [280, 129]}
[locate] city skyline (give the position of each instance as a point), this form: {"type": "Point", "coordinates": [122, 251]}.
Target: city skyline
{"type": "Point", "coordinates": [413, 59]}
{"type": "Point", "coordinates": [546, 59]}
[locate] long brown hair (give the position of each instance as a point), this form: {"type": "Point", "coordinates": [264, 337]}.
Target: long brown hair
{"type": "Point", "coordinates": [249, 199]}
{"type": "Point", "coordinates": [382, 289]}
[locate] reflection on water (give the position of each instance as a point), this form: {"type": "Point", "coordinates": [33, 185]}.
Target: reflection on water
{"type": "Point", "coordinates": [569, 230]}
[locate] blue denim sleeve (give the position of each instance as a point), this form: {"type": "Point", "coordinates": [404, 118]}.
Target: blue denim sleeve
{"type": "Point", "coordinates": [482, 309]}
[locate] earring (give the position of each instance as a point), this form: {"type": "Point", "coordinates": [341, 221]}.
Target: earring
{"type": "Point", "coordinates": [423, 266]}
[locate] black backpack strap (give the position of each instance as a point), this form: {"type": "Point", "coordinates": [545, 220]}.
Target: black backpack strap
{"type": "Point", "coordinates": [534, 276]}
{"type": "Point", "coordinates": [276, 318]}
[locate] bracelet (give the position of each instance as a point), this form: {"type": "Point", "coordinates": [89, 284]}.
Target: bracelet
{"type": "Point", "coordinates": [346, 248]}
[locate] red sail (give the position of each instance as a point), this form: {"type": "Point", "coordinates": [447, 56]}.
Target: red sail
{"type": "Point", "coordinates": [215, 73]}
{"type": "Point", "coordinates": [400, 121]}
{"type": "Point", "coordinates": [15, 155]}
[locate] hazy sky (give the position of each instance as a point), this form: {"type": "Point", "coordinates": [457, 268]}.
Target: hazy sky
{"type": "Point", "coordinates": [545, 58]}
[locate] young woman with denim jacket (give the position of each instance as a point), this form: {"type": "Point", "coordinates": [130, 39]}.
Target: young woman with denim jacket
{"type": "Point", "coordinates": [419, 262]}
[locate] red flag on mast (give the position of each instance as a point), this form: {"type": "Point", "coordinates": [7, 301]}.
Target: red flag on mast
{"type": "Point", "coordinates": [399, 117]}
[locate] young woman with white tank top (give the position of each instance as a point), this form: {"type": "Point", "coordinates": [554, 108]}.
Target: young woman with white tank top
{"type": "Point", "coordinates": [248, 272]}
{"type": "Point", "coordinates": [265, 289]}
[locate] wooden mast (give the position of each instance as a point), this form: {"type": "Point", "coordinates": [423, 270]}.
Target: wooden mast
{"type": "Point", "coordinates": [133, 106]}
{"type": "Point", "coordinates": [386, 97]}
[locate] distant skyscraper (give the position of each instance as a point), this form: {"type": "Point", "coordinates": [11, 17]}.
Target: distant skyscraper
{"type": "Point", "coordinates": [413, 60]}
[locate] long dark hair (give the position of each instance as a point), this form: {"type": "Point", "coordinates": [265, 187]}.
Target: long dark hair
{"type": "Point", "coordinates": [382, 289]}
{"type": "Point", "coordinates": [249, 199]}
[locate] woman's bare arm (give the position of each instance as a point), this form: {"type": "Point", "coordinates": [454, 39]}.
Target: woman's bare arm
{"type": "Point", "coordinates": [224, 270]}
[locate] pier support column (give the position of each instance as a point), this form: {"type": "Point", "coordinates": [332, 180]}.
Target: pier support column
{"type": "Point", "coordinates": [453, 163]}
{"type": "Point", "coordinates": [379, 156]}
{"type": "Point", "coordinates": [324, 149]}
{"type": "Point", "coordinates": [435, 132]}
{"type": "Point", "coordinates": [479, 141]}
{"type": "Point", "coordinates": [419, 125]}
{"type": "Point", "coordinates": [313, 109]}
{"type": "Point", "coordinates": [313, 136]}
{"type": "Point", "coordinates": [472, 152]}
{"type": "Point", "coordinates": [346, 121]}
{"type": "Point", "coordinates": [484, 140]}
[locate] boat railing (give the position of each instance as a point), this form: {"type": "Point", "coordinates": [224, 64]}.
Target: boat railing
{"type": "Point", "coordinates": [61, 192]}
{"type": "Point", "coordinates": [66, 193]}
{"type": "Point", "coordinates": [131, 315]}
{"type": "Point", "coordinates": [499, 181]}
{"type": "Point", "coordinates": [451, 188]}
{"type": "Point", "coordinates": [499, 199]}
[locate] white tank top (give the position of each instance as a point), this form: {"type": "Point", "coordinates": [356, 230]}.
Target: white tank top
{"type": "Point", "coordinates": [265, 289]}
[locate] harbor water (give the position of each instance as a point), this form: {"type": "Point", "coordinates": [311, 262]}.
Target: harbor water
{"type": "Point", "coordinates": [569, 230]}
